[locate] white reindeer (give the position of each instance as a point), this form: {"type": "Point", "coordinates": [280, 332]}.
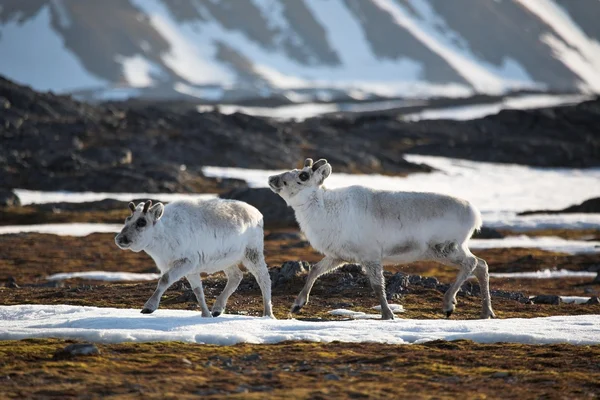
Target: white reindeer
{"type": "Point", "coordinates": [373, 228]}
{"type": "Point", "coordinates": [186, 238]}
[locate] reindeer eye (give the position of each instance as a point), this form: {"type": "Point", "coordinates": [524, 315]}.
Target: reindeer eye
{"type": "Point", "coordinates": [141, 223]}
{"type": "Point", "coordinates": [303, 176]}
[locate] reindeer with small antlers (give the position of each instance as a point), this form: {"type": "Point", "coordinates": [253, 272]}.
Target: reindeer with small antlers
{"type": "Point", "coordinates": [185, 238]}
{"type": "Point", "coordinates": [376, 227]}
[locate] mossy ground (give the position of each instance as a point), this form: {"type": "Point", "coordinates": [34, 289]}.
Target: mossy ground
{"type": "Point", "coordinates": [291, 370]}
{"type": "Point", "coordinates": [443, 370]}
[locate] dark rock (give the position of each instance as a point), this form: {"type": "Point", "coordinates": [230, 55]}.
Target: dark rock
{"type": "Point", "coordinates": [488, 233]}
{"type": "Point", "coordinates": [288, 271]}
{"type": "Point", "coordinates": [593, 300]}
{"type": "Point", "coordinates": [251, 357]}
{"type": "Point", "coordinates": [547, 299]}
{"type": "Point", "coordinates": [517, 296]}
{"type": "Point", "coordinates": [76, 349]}
{"type": "Point", "coordinates": [8, 198]}
{"type": "Point", "coordinates": [397, 285]}
{"type": "Point", "coordinates": [588, 206]}
{"type": "Point", "coordinates": [332, 377]}
{"type": "Point", "coordinates": [100, 205]}
{"type": "Point", "coordinates": [11, 283]}
{"type": "Point", "coordinates": [107, 156]}
{"type": "Point", "coordinates": [275, 211]}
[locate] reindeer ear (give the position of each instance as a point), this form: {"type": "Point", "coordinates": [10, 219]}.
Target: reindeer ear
{"type": "Point", "coordinates": [157, 211]}
{"type": "Point", "coordinates": [132, 206]}
{"type": "Point", "coordinates": [322, 170]}
{"type": "Point", "coordinates": [308, 163]}
{"type": "Point", "coordinates": [147, 205]}
{"type": "Point", "coordinates": [319, 164]}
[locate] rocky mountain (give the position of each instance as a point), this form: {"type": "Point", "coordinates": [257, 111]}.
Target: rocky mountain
{"type": "Point", "coordinates": [231, 50]}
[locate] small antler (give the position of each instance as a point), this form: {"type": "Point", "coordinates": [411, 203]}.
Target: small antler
{"type": "Point", "coordinates": [308, 163]}
{"type": "Point", "coordinates": [132, 206]}
{"type": "Point", "coordinates": [147, 206]}
{"type": "Point", "coordinates": [318, 164]}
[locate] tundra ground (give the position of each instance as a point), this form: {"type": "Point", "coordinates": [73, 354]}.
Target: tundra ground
{"type": "Point", "coordinates": [293, 369]}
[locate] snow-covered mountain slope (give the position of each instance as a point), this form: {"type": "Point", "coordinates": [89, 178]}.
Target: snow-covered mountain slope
{"type": "Point", "coordinates": [229, 49]}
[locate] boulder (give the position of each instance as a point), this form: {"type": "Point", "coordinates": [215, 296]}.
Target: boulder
{"type": "Point", "coordinates": [8, 198]}
{"type": "Point", "coordinates": [589, 206]}
{"type": "Point", "coordinates": [274, 209]}
{"type": "Point", "coordinates": [547, 299]}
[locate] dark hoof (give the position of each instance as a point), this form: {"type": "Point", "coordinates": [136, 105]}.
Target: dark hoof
{"type": "Point", "coordinates": [296, 309]}
{"type": "Point", "coordinates": [448, 314]}
{"type": "Point", "coordinates": [216, 313]}
{"type": "Point", "coordinates": [147, 311]}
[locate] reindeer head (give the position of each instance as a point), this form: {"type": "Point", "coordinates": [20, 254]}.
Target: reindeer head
{"type": "Point", "coordinates": [291, 183]}
{"type": "Point", "coordinates": [137, 231]}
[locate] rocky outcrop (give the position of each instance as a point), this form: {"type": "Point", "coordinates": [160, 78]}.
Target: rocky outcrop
{"type": "Point", "coordinates": [52, 142]}
{"type": "Point", "coordinates": [274, 209]}
{"type": "Point", "coordinates": [588, 206]}
{"type": "Point", "coordinates": [8, 198]}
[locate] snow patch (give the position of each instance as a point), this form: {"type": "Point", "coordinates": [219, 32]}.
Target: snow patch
{"type": "Point", "coordinates": [396, 309]}
{"type": "Point", "coordinates": [463, 113]}
{"type": "Point", "coordinates": [544, 274]}
{"type": "Point", "coordinates": [300, 112]}
{"type": "Point", "coordinates": [138, 71]}
{"type": "Point", "coordinates": [28, 197]}
{"type": "Point", "coordinates": [548, 243]}
{"type": "Point", "coordinates": [574, 299]}
{"type": "Point", "coordinates": [104, 276]}
{"type": "Point", "coordinates": [70, 229]}
{"type": "Point", "coordinates": [112, 325]}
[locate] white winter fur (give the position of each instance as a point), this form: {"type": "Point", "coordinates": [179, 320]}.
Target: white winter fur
{"type": "Point", "coordinates": [361, 225]}
{"type": "Point", "coordinates": [185, 238]}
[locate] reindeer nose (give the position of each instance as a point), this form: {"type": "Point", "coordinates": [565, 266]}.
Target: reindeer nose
{"type": "Point", "coordinates": [123, 239]}
{"type": "Point", "coordinates": [274, 181]}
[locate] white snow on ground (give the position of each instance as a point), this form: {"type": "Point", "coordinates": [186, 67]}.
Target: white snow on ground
{"type": "Point", "coordinates": [70, 229]}
{"type": "Point", "coordinates": [543, 242]}
{"type": "Point", "coordinates": [38, 197]}
{"type": "Point", "coordinates": [396, 308]}
{"type": "Point", "coordinates": [482, 110]}
{"type": "Point", "coordinates": [498, 190]}
{"type": "Point", "coordinates": [29, 64]}
{"type": "Point", "coordinates": [341, 312]}
{"type": "Point", "coordinates": [572, 46]}
{"type": "Point", "coordinates": [111, 325]}
{"type": "Point", "coordinates": [303, 111]}
{"type": "Point", "coordinates": [574, 299]}
{"type": "Point", "coordinates": [544, 274]}
{"type": "Point", "coordinates": [505, 220]}
{"type": "Point", "coordinates": [104, 276]}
